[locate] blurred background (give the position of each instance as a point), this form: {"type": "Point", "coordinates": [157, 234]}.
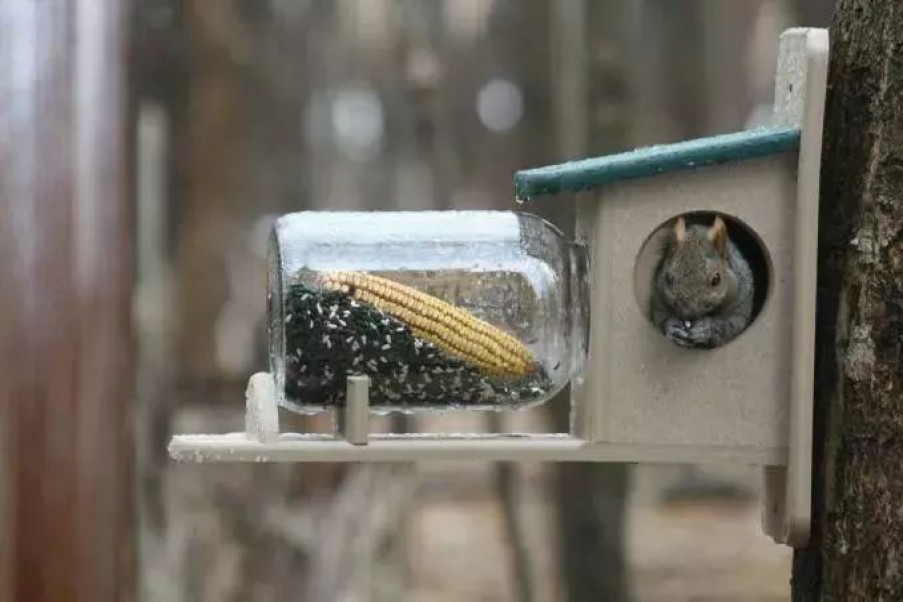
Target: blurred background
{"type": "Point", "coordinates": [239, 110]}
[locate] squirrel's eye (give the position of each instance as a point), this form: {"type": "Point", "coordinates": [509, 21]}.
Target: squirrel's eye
{"type": "Point", "coordinates": [716, 279]}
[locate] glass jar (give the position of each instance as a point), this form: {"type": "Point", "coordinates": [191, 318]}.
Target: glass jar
{"type": "Point", "coordinates": [441, 309]}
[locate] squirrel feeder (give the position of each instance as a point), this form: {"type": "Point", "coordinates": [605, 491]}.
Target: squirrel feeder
{"type": "Point", "coordinates": [639, 397]}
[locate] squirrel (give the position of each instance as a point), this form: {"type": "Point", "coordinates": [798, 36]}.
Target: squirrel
{"type": "Point", "coordinates": [702, 294]}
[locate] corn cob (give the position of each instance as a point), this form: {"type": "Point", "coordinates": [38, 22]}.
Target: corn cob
{"type": "Point", "coordinates": [453, 330]}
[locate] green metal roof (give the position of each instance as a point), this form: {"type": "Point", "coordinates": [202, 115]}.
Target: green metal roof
{"type": "Point", "coordinates": [653, 160]}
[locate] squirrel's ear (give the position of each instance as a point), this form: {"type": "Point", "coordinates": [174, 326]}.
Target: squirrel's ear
{"type": "Point", "coordinates": [718, 235]}
{"type": "Point", "coordinates": [680, 229]}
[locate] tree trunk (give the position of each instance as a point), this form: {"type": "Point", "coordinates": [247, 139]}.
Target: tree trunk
{"type": "Point", "coordinates": [591, 117]}
{"type": "Point", "coordinates": [66, 530]}
{"type": "Point", "coordinates": [857, 548]}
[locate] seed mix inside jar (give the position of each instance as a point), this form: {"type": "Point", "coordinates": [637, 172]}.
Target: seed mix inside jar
{"type": "Point", "coordinates": [418, 350]}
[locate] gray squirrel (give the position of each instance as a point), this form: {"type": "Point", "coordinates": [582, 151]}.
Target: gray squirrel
{"type": "Point", "coordinates": [702, 295]}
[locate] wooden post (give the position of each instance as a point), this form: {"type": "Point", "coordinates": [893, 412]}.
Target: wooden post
{"type": "Point", "coordinates": [856, 552]}
{"type": "Point", "coordinates": [65, 268]}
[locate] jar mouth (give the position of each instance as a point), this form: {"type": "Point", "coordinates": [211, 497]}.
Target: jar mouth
{"type": "Point", "coordinates": [275, 313]}
{"type": "Point", "coordinates": [579, 287]}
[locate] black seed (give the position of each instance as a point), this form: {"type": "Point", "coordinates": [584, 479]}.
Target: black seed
{"type": "Point", "coordinates": [405, 372]}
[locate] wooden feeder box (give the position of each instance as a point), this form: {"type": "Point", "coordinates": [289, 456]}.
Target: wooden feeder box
{"type": "Point", "coordinates": [640, 398]}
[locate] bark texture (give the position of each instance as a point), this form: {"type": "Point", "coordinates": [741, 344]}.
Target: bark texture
{"type": "Point", "coordinates": [590, 117]}
{"type": "Point", "coordinates": [857, 549]}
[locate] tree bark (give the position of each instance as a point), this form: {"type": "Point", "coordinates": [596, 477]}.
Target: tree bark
{"type": "Point", "coordinates": [591, 117]}
{"type": "Point", "coordinates": [857, 548]}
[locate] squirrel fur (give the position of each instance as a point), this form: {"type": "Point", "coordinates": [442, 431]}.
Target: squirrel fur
{"type": "Point", "coordinates": [702, 295]}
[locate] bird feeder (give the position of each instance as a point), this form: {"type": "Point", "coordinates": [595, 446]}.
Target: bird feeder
{"type": "Point", "coordinates": [488, 310]}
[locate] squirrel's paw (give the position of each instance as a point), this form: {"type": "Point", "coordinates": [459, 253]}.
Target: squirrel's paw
{"type": "Point", "coordinates": [677, 332]}
{"type": "Point", "coordinates": [706, 333]}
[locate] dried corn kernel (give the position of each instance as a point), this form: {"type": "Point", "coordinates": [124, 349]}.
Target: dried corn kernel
{"type": "Point", "coordinates": [452, 329]}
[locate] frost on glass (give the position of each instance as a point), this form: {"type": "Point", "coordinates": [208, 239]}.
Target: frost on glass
{"type": "Point", "coordinates": [456, 309]}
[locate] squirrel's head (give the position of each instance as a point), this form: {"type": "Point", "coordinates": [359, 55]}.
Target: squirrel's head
{"type": "Point", "coordinates": [694, 276]}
